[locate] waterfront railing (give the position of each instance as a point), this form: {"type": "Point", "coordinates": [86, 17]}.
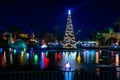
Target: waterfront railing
{"type": "Point", "coordinates": [60, 75]}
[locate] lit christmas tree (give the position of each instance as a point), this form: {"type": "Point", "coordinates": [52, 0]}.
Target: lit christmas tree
{"type": "Point", "coordinates": [69, 38]}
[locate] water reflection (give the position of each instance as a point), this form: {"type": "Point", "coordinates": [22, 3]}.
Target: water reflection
{"type": "Point", "coordinates": [117, 68]}
{"type": "Point", "coordinates": [118, 73]}
{"type": "Point", "coordinates": [69, 57]}
{"type": "Point", "coordinates": [97, 58]}
{"type": "Point", "coordinates": [97, 71]}
{"type": "Point", "coordinates": [59, 56]}
{"type": "Point", "coordinates": [79, 60]}
{"type": "Point", "coordinates": [35, 59]}
{"type": "Point", "coordinates": [44, 61]}
{"type": "Point", "coordinates": [68, 75]}
{"type": "Point", "coordinates": [22, 58]}
{"type": "Point", "coordinates": [117, 60]}
{"type": "Point", "coordinates": [11, 58]}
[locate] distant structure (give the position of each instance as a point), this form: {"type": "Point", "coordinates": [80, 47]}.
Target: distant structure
{"type": "Point", "coordinates": [69, 38]}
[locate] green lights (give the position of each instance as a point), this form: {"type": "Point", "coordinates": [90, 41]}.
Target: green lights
{"type": "Point", "coordinates": [35, 58]}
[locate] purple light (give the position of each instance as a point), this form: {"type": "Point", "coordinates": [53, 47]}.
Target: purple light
{"type": "Point", "coordinates": [67, 66]}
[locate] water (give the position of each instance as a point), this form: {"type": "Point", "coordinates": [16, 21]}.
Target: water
{"type": "Point", "coordinates": [52, 60]}
{"type": "Point", "coordinates": [48, 60]}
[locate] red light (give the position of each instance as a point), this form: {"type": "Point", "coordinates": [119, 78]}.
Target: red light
{"type": "Point", "coordinates": [46, 62]}
{"type": "Point", "coordinates": [2, 58]}
{"type": "Point", "coordinates": [58, 56]}
{"type": "Point", "coordinates": [112, 53]}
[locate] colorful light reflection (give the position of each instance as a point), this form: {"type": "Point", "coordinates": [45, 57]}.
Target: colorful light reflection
{"type": "Point", "coordinates": [44, 60]}
{"type": "Point", "coordinates": [97, 58]}
{"type": "Point", "coordinates": [35, 58]}
{"type": "Point", "coordinates": [117, 60]}
{"type": "Point", "coordinates": [68, 75]}
{"type": "Point", "coordinates": [1, 50]}
{"type": "Point", "coordinates": [59, 56]}
{"type": "Point", "coordinates": [78, 59]}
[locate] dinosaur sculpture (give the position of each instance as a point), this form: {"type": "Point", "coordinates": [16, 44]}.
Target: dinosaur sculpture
{"type": "Point", "coordinates": [18, 44]}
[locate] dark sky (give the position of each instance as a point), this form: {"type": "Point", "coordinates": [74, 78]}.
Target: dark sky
{"type": "Point", "coordinates": [86, 14]}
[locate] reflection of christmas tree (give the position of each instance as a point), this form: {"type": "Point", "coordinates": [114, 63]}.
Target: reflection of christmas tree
{"type": "Point", "coordinates": [69, 38]}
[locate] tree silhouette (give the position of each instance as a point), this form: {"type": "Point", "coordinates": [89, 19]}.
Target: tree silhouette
{"type": "Point", "coordinates": [117, 23]}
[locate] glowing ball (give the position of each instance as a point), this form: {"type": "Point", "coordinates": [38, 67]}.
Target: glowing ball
{"type": "Point", "coordinates": [67, 66]}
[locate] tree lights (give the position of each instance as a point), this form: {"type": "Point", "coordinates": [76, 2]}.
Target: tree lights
{"type": "Point", "coordinates": [69, 38]}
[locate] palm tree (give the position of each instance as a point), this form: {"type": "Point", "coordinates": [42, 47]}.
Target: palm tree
{"type": "Point", "coordinates": [117, 23]}
{"type": "Point", "coordinates": [108, 31]}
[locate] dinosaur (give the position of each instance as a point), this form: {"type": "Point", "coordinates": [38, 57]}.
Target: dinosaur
{"type": "Point", "coordinates": [18, 44]}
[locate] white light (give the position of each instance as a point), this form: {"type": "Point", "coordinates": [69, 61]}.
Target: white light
{"type": "Point", "coordinates": [67, 65]}
{"type": "Point", "coordinates": [69, 12]}
{"type": "Point", "coordinates": [43, 46]}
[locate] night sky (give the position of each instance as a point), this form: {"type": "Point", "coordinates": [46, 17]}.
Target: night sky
{"type": "Point", "coordinates": [86, 14]}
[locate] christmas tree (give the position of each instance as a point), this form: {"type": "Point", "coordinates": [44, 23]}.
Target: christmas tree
{"type": "Point", "coordinates": [69, 38]}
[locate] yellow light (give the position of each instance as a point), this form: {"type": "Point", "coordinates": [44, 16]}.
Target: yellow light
{"type": "Point", "coordinates": [22, 53]}
{"type": "Point", "coordinates": [11, 59]}
{"type": "Point", "coordinates": [24, 49]}
{"type": "Point", "coordinates": [97, 57]}
{"type": "Point", "coordinates": [79, 59]}
{"type": "Point", "coordinates": [117, 60]}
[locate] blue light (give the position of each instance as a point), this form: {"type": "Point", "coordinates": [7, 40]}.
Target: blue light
{"type": "Point", "coordinates": [27, 56]}
{"type": "Point", "coordinates": [31, 51]}
{"type": "Point", "coordinates": [9, 49]}
{"type": "Point", "coordinates": [0, 50]}
{"type": "Point", "coordinates": [69, 12]}
{"type": "Point", "coordinates": [68, 75]}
